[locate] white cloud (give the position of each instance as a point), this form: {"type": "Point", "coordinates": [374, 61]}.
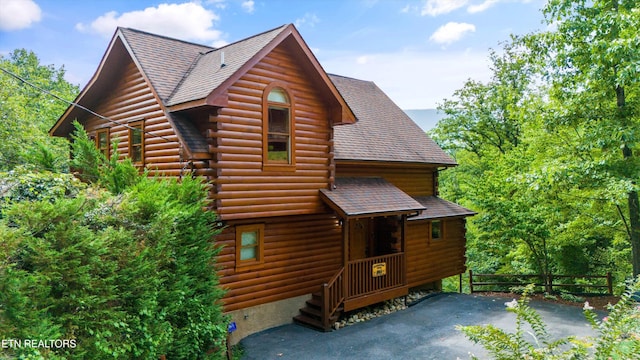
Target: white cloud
{"type": "Point", "coordinates": [439, 7]}
{"type": "Point", "coordinates": [413, 80]}
{"type": "Point", "coordinates": [481, 7]}
{"type": "Point", "coordinates": [308, 19]}
{"type": "Point", "coordinates": [248, 6]}
{"type": "Point", "coordinates": [451, 32]}
{"type": "Point", "coordinates": [189, 21]}
{"type": "Point", "coordinates": [18, 14]}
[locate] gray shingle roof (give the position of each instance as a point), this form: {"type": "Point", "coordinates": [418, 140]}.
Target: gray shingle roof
{"type": "Point", "coordinates": [383, 131]}
{"type": "Point", "coordinates": [164, 60]}
{"type": "Point", "coordinates": [355, 196]}
{"type": "Point", "coordinates": [207, 73]}
{"type": "Point", "coordinates": [439, 208]}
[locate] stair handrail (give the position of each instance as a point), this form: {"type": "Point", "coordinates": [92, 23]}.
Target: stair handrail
{"type": "Point", "coordinates": [332, 297]}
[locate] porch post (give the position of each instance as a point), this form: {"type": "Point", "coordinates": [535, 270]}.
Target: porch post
{"type": "Point", "coordinates": [403, 246]}
{"type": "Point", "coordinates": [345, 256]}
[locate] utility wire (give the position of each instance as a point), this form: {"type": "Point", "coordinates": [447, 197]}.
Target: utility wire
{"type": "Point", "coordinates": [71, 103]}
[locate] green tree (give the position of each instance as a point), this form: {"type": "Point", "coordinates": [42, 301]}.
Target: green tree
{"type": "Point", "coordinates": [590, 63]}
{"type": "Point", "coordinates": [27, 114]}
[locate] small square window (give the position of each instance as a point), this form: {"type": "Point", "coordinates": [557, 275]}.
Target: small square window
{"type": "Point", "coordinates": [249, 246]}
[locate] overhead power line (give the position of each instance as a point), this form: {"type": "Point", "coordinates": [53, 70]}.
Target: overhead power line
{"type": "Point", "coordinates": [71, 103]}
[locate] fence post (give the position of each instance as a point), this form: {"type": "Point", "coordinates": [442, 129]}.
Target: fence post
{"type": "Point", "coordinates": [609, 283]}
{"type": "Point", "coordinates": [470, 281]}
{"type": "Point", "coordinates": [550, 284]}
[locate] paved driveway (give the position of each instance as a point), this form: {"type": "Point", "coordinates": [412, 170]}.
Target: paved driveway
{"type": "Point", "coordinates": [423, 331]}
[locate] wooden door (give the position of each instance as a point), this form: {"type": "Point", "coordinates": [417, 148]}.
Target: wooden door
{"type": "Point", "coordinates": [359, 238]}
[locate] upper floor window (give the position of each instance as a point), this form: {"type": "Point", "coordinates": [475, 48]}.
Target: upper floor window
{"type": "Point", "coordinates": [136, 142]}
{"type": "Point", "coordinates": [278, 128]}
{"type": "Point", "coordinates": [102, 141]}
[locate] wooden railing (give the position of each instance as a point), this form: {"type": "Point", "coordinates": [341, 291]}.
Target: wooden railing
{"type": "Point", "coordinates": [362, 278]}
{"type": "Point", "coordinates": [499, 281]}
{"type": "Point", "coordinates": [332, 297]}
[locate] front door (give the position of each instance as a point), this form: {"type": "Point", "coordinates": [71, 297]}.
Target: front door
{"type": "Point", "coordinates": [359, 238]}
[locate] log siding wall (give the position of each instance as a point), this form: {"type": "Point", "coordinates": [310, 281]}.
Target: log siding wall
{"type": "Point", "coordinates": [300, 253]}
{"type": "Point", "coordinates": [243, 188]}
{"type": "Point", "coordinates": [131, 99]}
{"type": "Point", "coordinates": [413, 179]}
{"type": "Point", "coordinates": [429, 261]}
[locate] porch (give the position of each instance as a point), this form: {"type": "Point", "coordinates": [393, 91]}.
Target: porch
{"type": "Point", "coordinates": [373, 215]}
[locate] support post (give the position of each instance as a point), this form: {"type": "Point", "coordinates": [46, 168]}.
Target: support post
{"type": "Point", "coordinates": [470, 281]}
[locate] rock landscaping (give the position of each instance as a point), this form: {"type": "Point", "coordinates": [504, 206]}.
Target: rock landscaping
{"type": "Point", "coordinates": [385, 308]}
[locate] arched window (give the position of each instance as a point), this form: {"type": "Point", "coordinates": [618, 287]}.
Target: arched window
{"type": "Point", "coordinates": [278, 127]}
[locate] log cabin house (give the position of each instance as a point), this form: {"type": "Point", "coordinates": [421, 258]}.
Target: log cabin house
{"type": "Point", "coordinates": [328, 190]}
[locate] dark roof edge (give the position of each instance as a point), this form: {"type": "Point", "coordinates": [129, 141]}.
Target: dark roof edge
{"type": "Point", "coordinates": [166, 37]}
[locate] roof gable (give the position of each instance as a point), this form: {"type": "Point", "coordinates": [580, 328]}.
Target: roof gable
{"type": "Point", "coordinates": [163, 60]}
{"type": "Point", "coordinates": [207, 81]}
{"type": "Point", "coordinates": [213, 68]}
{"type": "Point", "coordinates": [383, 132]}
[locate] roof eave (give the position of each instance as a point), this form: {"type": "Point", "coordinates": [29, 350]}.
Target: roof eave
{"type": "Point", "coordinates": [64, 119]}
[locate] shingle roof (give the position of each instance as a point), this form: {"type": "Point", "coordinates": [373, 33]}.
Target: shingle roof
{"type": "Point", "coordinates": [383, 131]}
{"type": "Point", "coordinates": [357, 196]}
{"type": "Point", "coordinates": [440, 208]}
{"type": "Point", "coordinates": [189, 134]}
{"type": "Point", "coordinates": [207, 73]}
{"type": "Point", "coordinates": [164, 60]}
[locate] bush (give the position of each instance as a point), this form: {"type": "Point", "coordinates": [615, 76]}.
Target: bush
{"type": "Point", "coordinates": [23, 184]}
{"type": "Point", "coordinates": [618, 333]}
{"type": "Point", "coordinates": [126, 276]}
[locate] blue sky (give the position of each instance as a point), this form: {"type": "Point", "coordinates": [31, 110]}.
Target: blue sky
{"type": "Point", "coordinates": [418, 51]}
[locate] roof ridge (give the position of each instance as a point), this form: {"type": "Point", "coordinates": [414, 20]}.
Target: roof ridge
{"type": "Point", "coordinates": [351, 78]}
{"type": "Point", "coordinates": [251, 37]}
{"type": "Point", "coordinates": [165, 37]}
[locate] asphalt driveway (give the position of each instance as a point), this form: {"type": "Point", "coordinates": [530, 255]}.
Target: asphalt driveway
{"type": "Point", "coordinates": [423, 331]}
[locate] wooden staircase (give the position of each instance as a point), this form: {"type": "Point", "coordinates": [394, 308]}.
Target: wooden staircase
{"type": "Point", "coordinates": [311, 314]}
{"type": "Point", "coordinates": [325, 307]}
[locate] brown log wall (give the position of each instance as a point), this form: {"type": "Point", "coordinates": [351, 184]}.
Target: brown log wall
{"type": "Point", "coordinates": [414, 179]}
{"type": "Point", "coordinates": [428, 261]}
{"type": "Point", "coordinates": [131, 99]}
{"type": "Point", "coordinates": [242, 188]}
{"type": "Point", "coordinates": [300, 254]}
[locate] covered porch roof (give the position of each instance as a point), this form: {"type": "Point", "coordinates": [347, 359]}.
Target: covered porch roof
{"type": "Point", "coordinates": [437, 208]}
{"type": "Point", "coordinates": [355, 197]}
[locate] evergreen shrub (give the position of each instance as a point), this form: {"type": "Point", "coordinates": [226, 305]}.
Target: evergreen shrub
{"type": "Point", "coordinates": [124, 276]}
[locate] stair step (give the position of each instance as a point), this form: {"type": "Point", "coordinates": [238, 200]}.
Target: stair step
{"type": "Point", "coordinates": [315, 303]}
{"type": "Point", "coordinates": [307, 321]}
{"type": "Point", "coordinates": [311, 312]}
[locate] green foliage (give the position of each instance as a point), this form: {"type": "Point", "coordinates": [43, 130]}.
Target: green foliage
{"type": "Point", "coordinates": [23, 184]}
{"type": "Point", "coordinates": [126, 276]}
{"type": "Point", "coordinates": [618, 333]}
{"type": "Point", "coordinates": [507, 346]}
{"type": "Point", "coordinates": [93, 167]}
{"type": "Point", "coordinates": [26, 114]}
{"type": "Point", "coordinates": [548, 148]}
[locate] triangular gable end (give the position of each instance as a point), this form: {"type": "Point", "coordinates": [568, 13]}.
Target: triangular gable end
{"type": "Point", "coordinates": [118, 52]}
{"type": "Point", "coordinates": [110, 62]}
{"type": "Point", "coordinates": [218, 95]}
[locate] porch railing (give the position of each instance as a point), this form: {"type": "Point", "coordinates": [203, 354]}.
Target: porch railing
{"type": "Point", "coordinates": [332, 297]}
{"type": "Point", "coordinates": [375, 274]}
